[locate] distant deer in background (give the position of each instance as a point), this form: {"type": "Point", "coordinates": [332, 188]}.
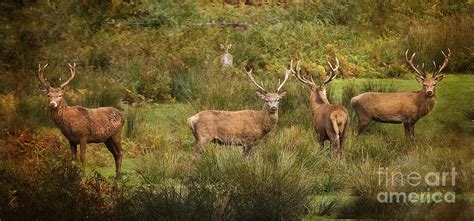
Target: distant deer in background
{"type": "Point", "coordinates": [244, 128]}
{"type": "Point", "coordinates": [403, 107]}
{"type": "Point", "coordinates": [226, 57]}
{"type": "Point", "coordinates": [330, 121]}
{"type": "Point", "coordinates": [83, 125]}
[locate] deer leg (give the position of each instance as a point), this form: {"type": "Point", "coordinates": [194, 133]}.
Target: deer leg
{"type": "Point", "coordinates": [409, 131]}
{"type": "Point", "coordinates": [200, 143]}
{"type": "Point", "coordinates": [321, 143]}
{"type": "Point", "coordinates": [412, 130]}
{"type": "Point", "coordinates": [114, 147]}
{"type": "Point", "coordinates": [118, 147]}
{"type": "Point", "coordinates": [247, 150]}
{"type": "Point", "coordinates": [73, 150]}
{"type": "Point", "coordinates": [363, 123]}
{"type": "Point", "coordinates": [342, 140]}
{"type": "Point", "coordinates": [335, 144]}
{"type": "Point", "coordinates": [83, 143]}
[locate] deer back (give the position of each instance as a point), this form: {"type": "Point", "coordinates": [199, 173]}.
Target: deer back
{"type": "Point", "coordinates": [235, 125]}
{"type": "Point", "coordinates": [392, 107]}
{"type": "Point", "coordinates": [97, 125]}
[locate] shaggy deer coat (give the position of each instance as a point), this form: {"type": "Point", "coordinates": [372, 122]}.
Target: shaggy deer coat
{"type": "Point", "coordinates": [243, 128]}
{"type": "Point", "coordinates": [403, 107]}
{"type": "Point", "coordinates": [83, 125]}
{"type": "Point", "coordinates": [331, 122]}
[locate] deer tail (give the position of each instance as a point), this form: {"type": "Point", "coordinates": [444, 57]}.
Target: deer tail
{"type": "Point", "coordinates": [191, 123]}
{"type": "Point", "coordinates": [338, 124]}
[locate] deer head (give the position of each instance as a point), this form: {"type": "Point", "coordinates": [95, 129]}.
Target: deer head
{"type": "Point", "coordinates": [428, 82]}
{"type": "Point", "coordinates": [318, 89]}
{"type": "Point", "coordinates": [226, 48]}
{"type": "Point", "coordinates": [55, 95]}
{"type": "Point", "coordinates": [272, 100]}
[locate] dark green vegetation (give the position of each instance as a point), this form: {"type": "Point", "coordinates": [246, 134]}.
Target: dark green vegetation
{"type": "Point", "coordinates": [165, 56]}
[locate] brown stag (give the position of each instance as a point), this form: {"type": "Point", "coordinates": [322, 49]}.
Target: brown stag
{"type": "Point", "coordinates": [330, 121]}
{"type": "Point", "coordinates": [83, 125]}
{"type": "Point", "coordinates": [243, 128]}
{"type": "Point", "coordinates": [403, 107]}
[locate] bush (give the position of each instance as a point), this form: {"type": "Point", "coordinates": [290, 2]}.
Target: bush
{"type": "Point", "coordinates": [258, 188]}
{"type": "Point", "coordinates": [30, 112]}
{"type": "Point", "coordinates": [428, 40]}
{"type": "Point", "coordinates": [188, 202]}
{"type": "Point", "coordinates": [54, 184]}
{"type": "Point", "coordinates": [101, 93]}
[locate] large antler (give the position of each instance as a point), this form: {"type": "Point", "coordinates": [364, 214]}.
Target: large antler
{"type": "Point", "coordinates": [445, 63]}
{"type": "Point", "coordinates": [301, 78]}
{"type": "Point", "coordinates": [249, 73]}
{"type": "Point", "coordinates": [72, 68]}
{"type": "Point", "coordinates": [287, 74]}
{"type": "Point", "coordinates": [332, 72]}
{"type": "Point", "coordinates": [41, 75]}
{"type": "Point", "coordinates": [410, 62]}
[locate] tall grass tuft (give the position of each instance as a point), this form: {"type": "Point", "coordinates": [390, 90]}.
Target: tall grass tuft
{"type": "Point", "coordinates": [30, 112]}
{"type": "Point", "coordinates": [190, 201]}
{"type": "Point", "coordinates": [102, 93]}
{"type": "Point", "coordinates": [258, 188]}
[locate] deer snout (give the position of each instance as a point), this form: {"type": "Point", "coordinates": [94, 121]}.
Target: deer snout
{"type": "Point", "coordinates": [429, 93]}
{"type": "Point", "coordinates": [53, 104]}
{"type": "Point", "coordinates": [273, 108]}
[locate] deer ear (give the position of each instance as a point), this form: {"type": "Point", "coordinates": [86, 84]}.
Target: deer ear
{"type": "Point", "coordinates": [229, 46]}
{"type": "Point", "coordinates": [67, 87]}
{"type": "Point", "coordinates": [222, 46]}
{"type": "Point", "coordinates": [419, 79]}
{"type": "Point", "coordinates": [439, 78]}
{"type": "Point", "coordinates": [44, 89]}
{"type": "Point", "coordinates": [282, 94]}
{"type": "Point", "coordinates": [262, 95]}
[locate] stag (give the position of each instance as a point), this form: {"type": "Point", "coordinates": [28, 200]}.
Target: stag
{"type": "Point", "coordinates": [226, 57]}
{"type": "Point", "coordinates": [83, 125]}
{"type": "Point", "coordinates": [331, 122]}
{"type": "Point", "coordinates": [403, 107]}
{"type": "Point", "coordinates": [243, 128]}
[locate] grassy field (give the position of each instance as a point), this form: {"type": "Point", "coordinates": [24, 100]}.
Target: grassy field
{"type": "Point", "coordinates": [160, 151]}
{"type": "Point", "coordinates": [163, 57]}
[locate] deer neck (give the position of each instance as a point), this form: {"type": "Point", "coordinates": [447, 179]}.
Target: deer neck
{"type": "Point", "coordinates": [318, 100]}
{"type": "Point", "coordinates": [57, 114]}
{"type": "Point", "coordinates": [425, 103]}
{"type": "Point", "coordinates": [269, 119]}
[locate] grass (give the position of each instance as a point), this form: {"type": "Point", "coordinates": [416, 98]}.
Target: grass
{"type": "Point", "coordinates": [164, 54]}
{"type": "Point", "coordinates": [160, 169]}
{"type": "Point", "coordinates": [291, 149]}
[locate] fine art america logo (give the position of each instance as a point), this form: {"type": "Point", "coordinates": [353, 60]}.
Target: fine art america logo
{"type": "Point", "coordinates": [431, 179]}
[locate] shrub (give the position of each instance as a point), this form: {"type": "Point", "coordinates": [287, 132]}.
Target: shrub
{"type": "Point", "coordinates": [54, 184]}
{"type": "Point", "coordinates": [102, 93]}
{"type": "Point", "coordinates": [30, 112]}
{"type": "Point", "coordinates": [270, 186]}
{"type": "Point", "coordinates": [188, 202]}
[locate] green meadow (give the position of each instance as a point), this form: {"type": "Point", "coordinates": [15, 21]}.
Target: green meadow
{"type": "Point", "coordinates": [158, 63]}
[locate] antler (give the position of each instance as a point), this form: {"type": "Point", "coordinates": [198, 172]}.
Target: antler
{"type": "Point", "coordinates": [445, 63]}
{"type": "Point", "coordinates": [72, 68]}
{"type": "Point", "coordinates": [410, 62]}
{"type": "Point", "coordinates": [41, 75]}
{"type": "Point", "coordinates": [287, 74]}
{"type": "Point", "coordinates": [332, 72]}
{"type": "Point", "coordinates": [301, 78]}
{"type": "Point", "coordinates": [249, 73]}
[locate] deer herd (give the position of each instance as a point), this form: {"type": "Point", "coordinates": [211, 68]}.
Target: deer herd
{"type": "Point", "coordinates": [247, 127]}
